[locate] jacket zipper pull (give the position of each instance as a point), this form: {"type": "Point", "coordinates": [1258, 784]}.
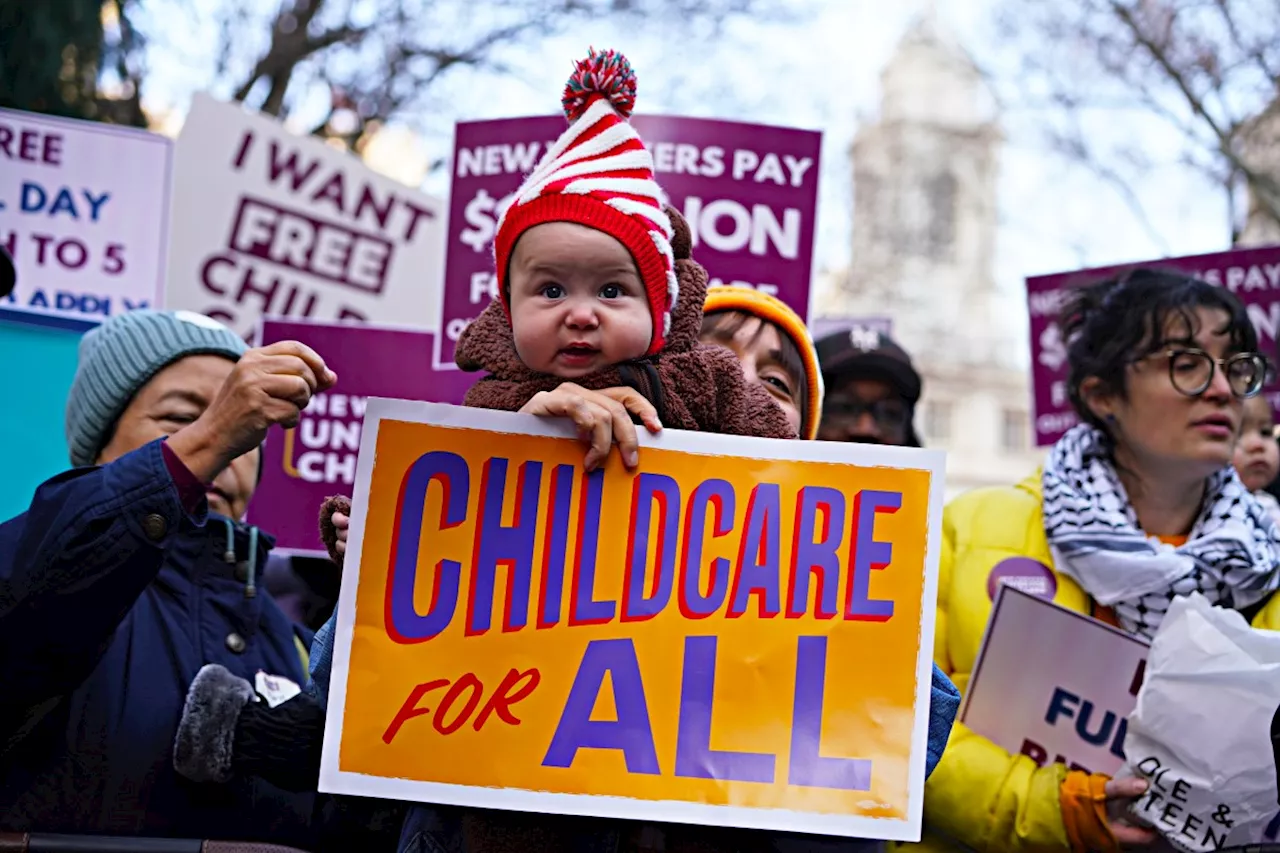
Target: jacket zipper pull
{"type": "Point", "coordinates": [229, 555]}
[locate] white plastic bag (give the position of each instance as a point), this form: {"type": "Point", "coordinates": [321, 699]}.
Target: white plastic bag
{"type": "Point", "coordinates": [1201, 732]}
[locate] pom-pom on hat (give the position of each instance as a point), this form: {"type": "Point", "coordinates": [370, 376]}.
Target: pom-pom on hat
{"type": "Point", "coordinates": [599, 174]}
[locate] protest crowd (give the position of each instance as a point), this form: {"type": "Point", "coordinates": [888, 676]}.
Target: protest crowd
{"type": "Point", "coordinates": [166, 676]}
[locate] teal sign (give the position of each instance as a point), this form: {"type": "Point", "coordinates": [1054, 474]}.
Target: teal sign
{"type": "Point", "coordinates": [39, 363]}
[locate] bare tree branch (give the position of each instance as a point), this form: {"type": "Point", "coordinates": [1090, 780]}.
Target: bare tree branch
{"type": "Point", "coordinates": [291, 44]}
{"type": "Point", "coordinates": [1205, 68]}
{"type": "Point", "coordinates": [385, 55]}
{"type": "Point", "coordinates": [1253, 53]}
{"type": "Point", "coordinates": [1265, 187]}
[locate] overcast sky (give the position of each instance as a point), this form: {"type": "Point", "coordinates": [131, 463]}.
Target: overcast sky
{"type": "Point", "coordinates": [821, 72]}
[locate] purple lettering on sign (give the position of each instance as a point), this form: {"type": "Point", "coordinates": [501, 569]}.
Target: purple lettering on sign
{"type": "Point", "coordinates": [650, 491]}
{"type": "Point", "coordinates": [758, 555]}
{"type": "Point", "coordinates": [866, 554]}
{"type": "Point", "coordinates": [551, 588]}
{"type": "Point", "coordinates": [1025, 574]}
{"type": "Point", "coordinates": [584, 608]}
{"type": "Point", "coordinates": [816, 555]}
{"type": "Point", "coordinates": [630, 733]}
{"type": "Point", "coordinates": [510, 547]}
{"type": "Point", "coordinates": [404, 623]}
{"type": "Point", "coordinates": [301, 242]}
{"type": "Point", "coordinates": [808, 766]}
{"type": "Point", "coordinates": [718, 496]}
{"type": "Point", "coordinates": [31, 145]}
{"type": "Point", "coordinates": [694, 756]}
{"type": "Point", "coordinates": [242, 281]}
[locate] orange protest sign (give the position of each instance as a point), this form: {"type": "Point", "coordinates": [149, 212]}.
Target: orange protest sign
{"type": "Point", "coordinates": [738, 634]}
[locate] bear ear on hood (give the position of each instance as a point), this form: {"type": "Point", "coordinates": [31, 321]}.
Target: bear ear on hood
{"type": "Point", "coordinates": [488, 344]}
{"type": "Point", "coordinates": [686, 317]}
{"type": "Point", "coordinates": [682, 238]}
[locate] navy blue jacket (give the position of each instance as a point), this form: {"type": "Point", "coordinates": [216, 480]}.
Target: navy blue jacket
{"type": "Point", "coordinates": [111, 599]}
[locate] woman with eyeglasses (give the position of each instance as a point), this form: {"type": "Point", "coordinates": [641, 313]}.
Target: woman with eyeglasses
{"type": "Point", "coordinates": [1136, 505]}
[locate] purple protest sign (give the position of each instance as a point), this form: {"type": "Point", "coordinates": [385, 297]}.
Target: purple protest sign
{"type": "Point", "coordinates": [820, 327]}
{"type": "Point", "coordinates": [303, 466]}
{"type": "Point", "coordinates": [749, 192]}
{"type": "Point", "coordinates": [1251, 274]}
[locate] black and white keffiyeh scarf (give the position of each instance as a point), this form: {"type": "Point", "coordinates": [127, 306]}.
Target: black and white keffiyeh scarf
{"type": "Point", "coordinates": [1232, 556]}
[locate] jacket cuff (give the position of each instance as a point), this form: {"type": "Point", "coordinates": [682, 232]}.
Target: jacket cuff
{"type": "Point", "coordinates": [144, 493]}
{"type": "Point", "coordinates": [190, 490]}
{"type": "Point", "coordinates": [1084, 813]}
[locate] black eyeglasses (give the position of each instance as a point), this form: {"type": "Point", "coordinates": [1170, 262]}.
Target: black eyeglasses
{"type": "Point", "coordinates": [891, 414]}
{"type": "Point", "coordinates": [1192, 370]}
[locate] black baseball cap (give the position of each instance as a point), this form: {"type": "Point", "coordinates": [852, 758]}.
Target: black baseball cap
{"type": "Point", "coordinates": [8, 275]}
{"type": "Point", "coordinates": [860, 353]}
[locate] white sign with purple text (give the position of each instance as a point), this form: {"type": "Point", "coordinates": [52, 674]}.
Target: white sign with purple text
{"type": "Point", "coordinates": [267, 223]}
{"type": "Point", "coordinates": [1054, 684]}
{"type": "Point", "coordinates": [84, 211]}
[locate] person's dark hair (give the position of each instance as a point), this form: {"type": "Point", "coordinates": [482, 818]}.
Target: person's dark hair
{"type": "Point", "coordinates": [1110, 324]}
{"type": "Point", "coordinates": [723, 325]}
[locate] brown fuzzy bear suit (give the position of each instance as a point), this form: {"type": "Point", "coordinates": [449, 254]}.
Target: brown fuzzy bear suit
{"type": "Point", "coordinates": [702, 386]}
{"type": "Point", "coordinates": [703, 389]}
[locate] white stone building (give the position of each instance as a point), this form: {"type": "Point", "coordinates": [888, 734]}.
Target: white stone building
{"type": "Point", "coordinates": [1261, 150]}
{"type": "Point", "coordinates": [924, 242]}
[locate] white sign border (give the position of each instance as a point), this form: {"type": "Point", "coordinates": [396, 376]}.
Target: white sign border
{"type": "Point", "coordinates": [1009, 589]}
{"type": "Point", "coordinates": [334, 780]}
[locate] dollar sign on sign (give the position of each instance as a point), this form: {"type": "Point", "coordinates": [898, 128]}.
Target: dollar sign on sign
{"type": "Point", "coordinates": [482, 220]}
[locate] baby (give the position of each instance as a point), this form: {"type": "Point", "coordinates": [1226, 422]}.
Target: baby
{"type": "Point", "coordinates": [598, 289]}
{"type": "Point", "coordinates": [596, 282]}
{"type": "Point", "coordinates": [597, 292]}
{"type": "Point", "coordinates": [1257, 456]}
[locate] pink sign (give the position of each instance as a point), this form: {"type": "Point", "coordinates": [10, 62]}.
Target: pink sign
{"type": "Point", "coordinates": [303, 466]}
{"type": "Point", "coordinates": [1251, 274]}
{"type": "Point", "coordinates": [1053, 684]}
{"type": "Point", "coordinates": [749, 192]}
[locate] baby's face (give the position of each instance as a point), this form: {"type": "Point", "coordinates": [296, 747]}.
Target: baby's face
{"type": "Point", "coordinates": [1257, 456]}
{"type": "Point", "coordinates": [577, 301]}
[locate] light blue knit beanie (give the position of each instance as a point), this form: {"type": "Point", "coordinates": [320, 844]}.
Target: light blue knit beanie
{"type": "Point", "coordinates": [120, 356]}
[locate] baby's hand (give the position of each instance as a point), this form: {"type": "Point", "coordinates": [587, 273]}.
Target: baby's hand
{"type": "Point", "coordinates": [602, 418]}
{"type": "Point", "coordinates": [335, 524]}
{"type": "Point", "coordinates": [636, 404]}
{"type": "Point", "coordinates": [341, 524]}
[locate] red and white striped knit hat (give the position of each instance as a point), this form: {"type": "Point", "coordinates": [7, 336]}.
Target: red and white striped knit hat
{"type": "Point", "coordinates": [599, 174]}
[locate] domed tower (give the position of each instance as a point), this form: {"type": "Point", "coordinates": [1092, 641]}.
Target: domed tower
{"type": "Point", "coordinates": [924, 239]}
{"type": "Point", "coordinates": [924, 175]}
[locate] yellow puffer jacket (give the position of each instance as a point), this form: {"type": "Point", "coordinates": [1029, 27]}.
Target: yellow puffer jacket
{"type": "Point", "coordinates": [980, 795]}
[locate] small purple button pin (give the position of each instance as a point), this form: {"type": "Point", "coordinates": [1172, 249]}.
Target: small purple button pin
{"type": "Point", "coordinates": [1023, 573]}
